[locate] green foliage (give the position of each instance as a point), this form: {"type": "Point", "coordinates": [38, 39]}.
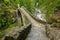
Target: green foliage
{"type": "Point", "coordinates": [7, 9]}
{"type": "Point", "coordinates": [48, 6]}
{"type": "Point", "coordinates": [1, 33]}
{"type": "Point", "coordinates": [54, 21]}
{"type": "Point", "coordinates": [28, 4]}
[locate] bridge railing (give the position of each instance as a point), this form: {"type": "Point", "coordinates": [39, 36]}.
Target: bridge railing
{"type": "Point", "coordinates": [18, 33]}
{"type": "Point", "coordinates": [34, 17]}
{"type": "Point", "coordinates": [53, 35]}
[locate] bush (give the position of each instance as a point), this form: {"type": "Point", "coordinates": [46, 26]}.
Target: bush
{"type": "Point", "coordinates": [6, 15]}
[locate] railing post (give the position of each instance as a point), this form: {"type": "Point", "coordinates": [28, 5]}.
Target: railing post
{"type": "Point", "coordinates": [20, 20]}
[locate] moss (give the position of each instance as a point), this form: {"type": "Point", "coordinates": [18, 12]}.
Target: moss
{"type": "Point", "coordinates": [3, 32]}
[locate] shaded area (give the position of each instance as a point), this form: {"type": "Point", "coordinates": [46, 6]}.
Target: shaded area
{"type": "Point", "coordinates": [9, 38]}
{"type": "Point", "coordinates": [24, 33]}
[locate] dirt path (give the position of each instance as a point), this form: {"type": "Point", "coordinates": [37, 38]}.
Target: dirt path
{"type": "Point", "coordinates": [37, 30]}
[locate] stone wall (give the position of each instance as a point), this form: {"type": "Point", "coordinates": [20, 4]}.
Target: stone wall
{"type": "Point", "coordinates": [53, 33]}
{"type": "Point", "coordinates": [19, 33]}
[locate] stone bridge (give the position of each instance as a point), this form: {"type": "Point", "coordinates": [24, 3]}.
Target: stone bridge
{"type": "Point", "coordinates": [35, 30]}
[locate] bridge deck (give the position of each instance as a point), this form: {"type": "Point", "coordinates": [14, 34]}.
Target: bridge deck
{"type": "Point", "coordinates": [37, 33]}
{"type": "Point", "coordinates": [38, 29]}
